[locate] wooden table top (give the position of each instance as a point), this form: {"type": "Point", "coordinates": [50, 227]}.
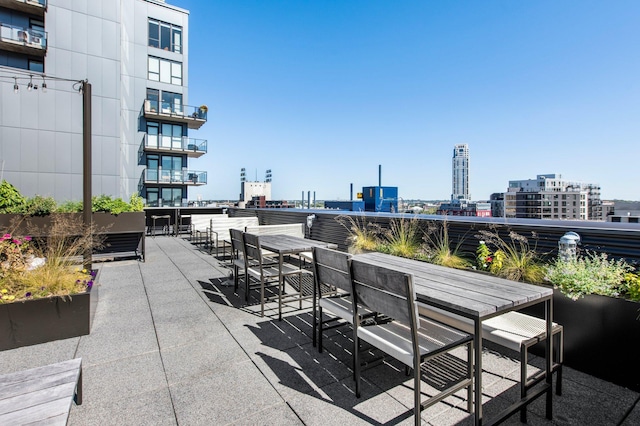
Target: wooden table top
{"type": "Point", "coordinates": [468, 293]}
{"type": "Point", "coordinates": [287, 244]}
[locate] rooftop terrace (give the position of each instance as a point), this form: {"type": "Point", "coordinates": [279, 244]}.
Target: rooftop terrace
{"type": "Point", "coordinates": [172, 344]}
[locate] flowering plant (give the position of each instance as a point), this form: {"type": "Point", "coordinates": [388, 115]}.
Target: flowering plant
{"type": "Point", "coordinates": [48, 266]}
{"type": "Point", "coordinates": [14, 253]}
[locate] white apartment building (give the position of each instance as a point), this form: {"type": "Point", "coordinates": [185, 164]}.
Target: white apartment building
{"type": "Point", "coordinates": [134, 53]}
{"type": "Point", "coordinates": [549, 196]}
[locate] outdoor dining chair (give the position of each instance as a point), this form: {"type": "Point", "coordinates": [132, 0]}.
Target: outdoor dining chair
{"type": "Point", "coordinates": [238, 258]}
{"type": "Point", "coordinates": [332, 292]}
{"type": "Point", "coordinates": [410, 339]}
{"type": "Point", "coordinates": [267, 272]}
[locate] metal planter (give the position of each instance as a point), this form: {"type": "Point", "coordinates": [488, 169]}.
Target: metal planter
{"type": "Point", "coordinates": [43, 320]}
{"type": "Point", "coordinates": [601, 335]}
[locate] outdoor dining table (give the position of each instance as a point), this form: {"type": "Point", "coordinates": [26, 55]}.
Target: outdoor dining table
{"type": "Point", "coordinates": [478, 297]}
{"type": "Point", "coordinates": [285, 245]}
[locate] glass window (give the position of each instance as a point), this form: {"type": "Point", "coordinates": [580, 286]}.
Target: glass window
{"type": "Point", "coordinates": [176, 73]}
{"type": "Point", "coordinates": [172, 136]}
{"type": "Point", "coordinates": [177, 39]}
{"type": "Point", "coordinates": [165, 71]}
{"type": "Point", "coordinates": [152, 134]}
{"type": "Point", "coordinates": [172, 197]}
{"type": "Point", "coordinates": [37, 66]}
{"type": "Point", "coordinates": [154, 31]}
{"type": "Point", "coordinates": [152, 197]}
{"type": "Point", "coordinates": [154, 69]}
{"type": "Point", "coordinates": [171, 103]}
{"type": "Point", "coordinates": [153, 96]}
{"type": "Point", "coordinates": [152, 168]}
{"type": "Point", "coordinates": [165, 36]}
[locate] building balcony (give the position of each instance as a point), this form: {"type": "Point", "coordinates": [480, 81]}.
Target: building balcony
{"type": "Point", "coordinates": [194, 148]}
{"type": "Point", "coordinates": [174, 177]}
{"type": "Point", "coordinates": [32, 7]}
{"type": "Point", "coordinates": [23, 40]}
{"type": "Point", "coordinates": [194, 117]}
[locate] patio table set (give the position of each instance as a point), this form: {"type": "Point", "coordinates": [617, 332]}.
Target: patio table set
{"type": "Point", "coordinates": [385, 299]}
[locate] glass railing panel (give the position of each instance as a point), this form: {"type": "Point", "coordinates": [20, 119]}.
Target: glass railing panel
{"type": "Point", "coordinates": [173, 109]}
{"type": "Point", "coordinates": [23, 36]}
{"type": "Point", "coordinates": [152, 175]}
{"type": "Point", "coordinates": [41, 3]}
{"type": "Point", "coordinates": [196, 145]}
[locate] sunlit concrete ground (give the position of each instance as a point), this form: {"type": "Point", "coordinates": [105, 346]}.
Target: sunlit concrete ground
{"type": "Point", "coordinates": [172, 344]}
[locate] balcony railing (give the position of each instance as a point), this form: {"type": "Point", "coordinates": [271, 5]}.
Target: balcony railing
{"type": "Point", "coordinates": [192, 147]}
{"type": "Point", "coordinates": [175, 177]}
{"type": "Point", "coordinates": [23, 40]}
{"type": "Point", "coordinates": [34, 7]}
{"type": "Point", "coordinates": [40, 3]}
{"type": "Point", "coordinates": [195, 117]}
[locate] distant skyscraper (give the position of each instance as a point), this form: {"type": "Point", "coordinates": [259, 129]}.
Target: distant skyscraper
{"type": "Point", "coordinates": [460, 175]}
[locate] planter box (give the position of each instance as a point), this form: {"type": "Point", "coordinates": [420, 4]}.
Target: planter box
{"type": "Point", "coordinates": [601, 335]}
{"type": "Point", "coordinates": [44, 320]}
{"type": "Point", "coordinates": [124, 233]}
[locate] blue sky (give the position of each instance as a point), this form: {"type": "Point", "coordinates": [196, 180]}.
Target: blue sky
{"type": "Point", "coordinates": [322, 92]}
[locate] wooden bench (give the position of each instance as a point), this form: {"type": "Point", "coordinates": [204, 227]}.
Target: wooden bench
{"type": "Point", "coordinates": [219, 237]}
{"type": "Point", "coordinates": [200, 226]}
{"type": "Point", "coordinates": [293, 229]}
{"type": "Point", "coordinates": [41, 395]}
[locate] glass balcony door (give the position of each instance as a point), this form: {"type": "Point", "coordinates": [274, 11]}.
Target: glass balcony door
{"type": "Point", "coordinates": [152, 135]}
{"type": "Point", "coordinates": [171, 136]}
{"type": "Point", "coordinates": [171, 169]}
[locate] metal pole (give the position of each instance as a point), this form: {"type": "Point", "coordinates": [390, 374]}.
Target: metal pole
{"type": "Point", "coordinates": [86, 166]}
{"type": "Point", "coordinates": [308, 200]}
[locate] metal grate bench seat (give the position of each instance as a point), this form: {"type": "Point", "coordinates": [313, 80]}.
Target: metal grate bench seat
{"type": "Point", "coordinates": [512, 330]}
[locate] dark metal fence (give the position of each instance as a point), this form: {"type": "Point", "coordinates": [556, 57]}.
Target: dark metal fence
{"type": "Point", "coordinates": [619, 240]}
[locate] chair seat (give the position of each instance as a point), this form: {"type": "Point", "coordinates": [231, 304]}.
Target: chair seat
{"type": "Point", "coordinates": [394, 339]}
{"type": "Point", "coordinates": [342, 307]}
{"type": "Point", "coordinates": [271, 271]}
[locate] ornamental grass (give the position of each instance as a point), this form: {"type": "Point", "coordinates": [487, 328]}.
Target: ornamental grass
{"type": "Point", "coordinates": [32, 268]}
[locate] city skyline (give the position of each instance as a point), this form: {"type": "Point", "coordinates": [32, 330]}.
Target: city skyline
{"type": "Point", "coordinates": [322, 93]}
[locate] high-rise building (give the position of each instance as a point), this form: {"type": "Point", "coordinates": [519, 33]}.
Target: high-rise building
{"type": "Point", "coordinates": [551, 197]}
{"type": "Point", "coordinates": [460, 173]}
{"type": "Point", "coordinates": [134, 54]}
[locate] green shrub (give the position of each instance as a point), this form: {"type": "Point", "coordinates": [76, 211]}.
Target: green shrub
{"type": "Point", "coordinates": [70, 207]}
{"type": "Point", "coordinates": [589, 274]}
{"type": "Point", "coordinates": [136, 203]}
{"type": "Point", "coordinates": [39, 206]}
{"type": "Point", "coordinates": [11, 201]}
{"type": "Point", "coordinates": [632, 282]}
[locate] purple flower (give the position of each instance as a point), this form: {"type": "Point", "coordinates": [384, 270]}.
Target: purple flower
{"type": "Point", "coordinates": [90, 284]}
{"type": "Point", "coordinates": [94, 273]}
{"type": "Point", "coordinates": [28, 294]}
{"type": "Point", "coordinates": [27, 238]}
{"type": "Point", "coordinates": [17, 242]}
